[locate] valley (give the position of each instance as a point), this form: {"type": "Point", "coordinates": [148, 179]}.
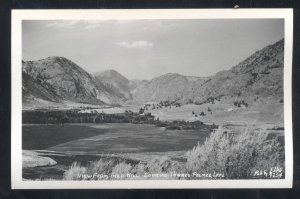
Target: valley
{"type": "Point", "coordinates": [58, 83]}
{"type": "Point", "coordinates": [70, 115]}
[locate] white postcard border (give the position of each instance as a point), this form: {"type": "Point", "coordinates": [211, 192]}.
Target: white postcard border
{"type": "Point", "coordinates": [16, 94]}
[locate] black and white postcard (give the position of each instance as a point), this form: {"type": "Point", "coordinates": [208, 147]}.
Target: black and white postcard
{"type": "Point", "coordinates": [183, 98]}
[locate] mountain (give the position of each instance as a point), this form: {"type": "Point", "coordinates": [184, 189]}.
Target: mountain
{"type": "Point", "coordinates": [33, 88]}
{"type": "Point", "coordinates": [57, 79]}
{"type": "Point", "coordinates": [134, 83]}
{"type": "Point", "coordinates": [170, 86]}
{"type": "Point", "coordinates": [118, 84]}
{"type": "Point", "coordinates": [257, 79]}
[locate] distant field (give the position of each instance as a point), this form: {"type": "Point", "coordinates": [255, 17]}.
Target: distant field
{"type": "Point", "coordinates": [220, 113]}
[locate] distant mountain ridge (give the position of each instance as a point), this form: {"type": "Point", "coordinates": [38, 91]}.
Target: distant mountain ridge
{"type": "Point", "coordinates": [259, 79]}
{"type": "Point", "coordinates": [118, 83]}
{"type": "Point", "coordinates": [170, 86]}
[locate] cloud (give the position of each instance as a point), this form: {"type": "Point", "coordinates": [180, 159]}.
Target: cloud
{"type": "Point", "coordinates": [88, 24]}
{"type": "Point", "coordinates": [92, 24]}
{"type": "Point", "coordinates": [136, 44]}
{"type": "Point", "coordinates": [62, 24]}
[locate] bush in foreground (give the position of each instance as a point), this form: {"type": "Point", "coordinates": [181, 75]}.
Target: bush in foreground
{"type": "Point", "coordinates": [122, 169]}
{"type": "Point", "coordinates": [101, 167]}
{"type": "Point", "coordinates": [238, 156]}
{"type": "Point", "coordinates": [75, 172]}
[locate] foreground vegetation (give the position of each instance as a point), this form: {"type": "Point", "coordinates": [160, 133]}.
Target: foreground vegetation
{"type": "Point", "coordinates": [76, 116]}
{"type": "Point", "coordinates": [246, 155]}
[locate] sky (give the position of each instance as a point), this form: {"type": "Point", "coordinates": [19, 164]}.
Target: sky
{"type": "Point", "coordinates": [144, 49]}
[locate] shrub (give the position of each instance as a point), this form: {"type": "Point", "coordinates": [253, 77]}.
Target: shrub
{"type": "Point", "coordinates": [101, 166]}
{"type": "Point", "coordinates": [122, 169]}
{"type": "Point", "coordinates": [75, 172]}
{"type": "Point", "coordinates": [236, 155]}
{"type": "Point", "coordinates": [139, 169]}
{"type": "Point", "coordinates": [159, 165]}
{"type": "Point", "coordinates": [241, 103]}
{"type": "Point", "coordinates": [141, 111]}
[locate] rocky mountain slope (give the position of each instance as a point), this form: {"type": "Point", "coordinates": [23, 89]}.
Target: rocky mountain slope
{"type": "Point", "coordinates": [166, 87]}
{"type": "Point", "coordinates": [118, 84]}
{"type": "Point", "coordinates": [257, 79]}
{"type": "Point", "coordinates": [135, 83]}
{"type": "Point", "coordinates": [58, 79]}
{"type": "Point", "coordinates": [34, 88]}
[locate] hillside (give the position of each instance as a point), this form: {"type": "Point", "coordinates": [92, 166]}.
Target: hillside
{"type": "Point", "coordinates": [58, 79]}
{"type": "Point", "coordinates": [33, 88]}
{"type": "Point", "coordinates": [117, 83]}
{"type": "Point", "coordinates": [257, 79]}
{"type": "Point", "coordinates": [169, 86]}
{"type": "Point", "coordinates": [135, 83]}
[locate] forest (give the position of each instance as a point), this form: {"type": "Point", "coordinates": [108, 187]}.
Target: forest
{"type": "Point", "coordinates": [61, 117]}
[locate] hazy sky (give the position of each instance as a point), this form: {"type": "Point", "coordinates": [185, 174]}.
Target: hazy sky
{"type": "Point", "coordinates": [143, 49]}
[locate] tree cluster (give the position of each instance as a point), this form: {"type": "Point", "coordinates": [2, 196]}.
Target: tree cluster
{"type": "Point", "coordinates": [61, 117]}
{"type": "Point", "coordinates": [240, 103]}
{"type": "Point", "coordinates": [75, 116]}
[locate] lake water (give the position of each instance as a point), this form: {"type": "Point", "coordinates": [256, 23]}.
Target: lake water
{"type": "Point", "coordinates": [86, 142]}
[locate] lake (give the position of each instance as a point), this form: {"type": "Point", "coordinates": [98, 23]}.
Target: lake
{"type": "Point", "coordinates": [88, 142]}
